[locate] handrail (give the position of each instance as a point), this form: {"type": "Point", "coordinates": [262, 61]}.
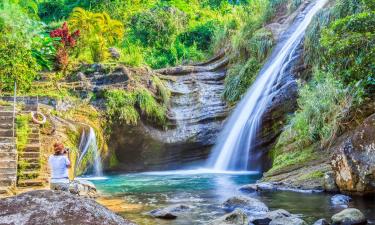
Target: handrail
{"type": "Point", "coordinates": [14, 107]}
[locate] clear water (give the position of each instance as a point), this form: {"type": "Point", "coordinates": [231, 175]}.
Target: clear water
{"type": "Point", "coordinates": [131, 195]}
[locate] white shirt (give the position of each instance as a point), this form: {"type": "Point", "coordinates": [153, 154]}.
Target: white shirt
{"type": "Point", "coordinates": [58, 165]}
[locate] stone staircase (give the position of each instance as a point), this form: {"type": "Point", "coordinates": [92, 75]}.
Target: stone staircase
{"type": "Point", "coordinates": [29, 161]}
{"type": "Point", "coordinates": [8, 151]}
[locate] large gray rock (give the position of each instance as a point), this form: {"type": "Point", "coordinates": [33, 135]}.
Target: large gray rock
{"type": "Point", "coordinates": [246, 203]}
{"type": "Point", "coordinates": [237, 217]}
{"type": "Point", "coordinates": [170, 212]}
{"type": "Point", "coordinates": [55, 207]}
{"type": "Point", "coordinates": [353, 160]}
{"type": "Point", "coordinates": [349, 216]}
{"type": "Point", "coordinates": [277, 217]}
{"type": "Point", "coordinates": [275, 186]}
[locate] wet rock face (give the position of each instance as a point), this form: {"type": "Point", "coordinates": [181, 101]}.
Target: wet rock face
{"type": "Point", "coordinates": [195, 117]}
{"type": "Point", "coordinates": [55, 207]}
{"type": "Point", "coordinates": [353, 161]}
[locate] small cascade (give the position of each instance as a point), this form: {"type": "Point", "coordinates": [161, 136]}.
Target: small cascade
{"type": "Point", "coordinates": [89, 153]}
{"type": "Point", "coordinates": [234, 149]}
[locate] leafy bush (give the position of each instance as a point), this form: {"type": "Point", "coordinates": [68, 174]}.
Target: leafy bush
{"type": "Point", "coordinates": [122, 106]}
{"type": "Point", "coordinates": [157, 27]}
{"type": "Point", "coordinates": [350, 47]}
{"type": "Point", "coordinates": [17, 63]}
{"type": "Point", "coordinates": [322, 104]}
{"type": "Point", "coordinates": [98, 32]}
{"type": "Point", "coordinates": [201, 35]}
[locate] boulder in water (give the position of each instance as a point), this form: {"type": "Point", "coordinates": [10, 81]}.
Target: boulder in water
{"type": "Point", "coordinates": [349, 216]}
{"type": "Point", "coordinates": [258, 187]}
{"type": "Point", "coordinates": [321, 222]}
{"type": "Point", "coordinates": [170, 212]}
{"type": "Point", "coordinates": [246, 203]}
{"type": "Point", "coordinates": [277, 217]}
{"type": "Point", "coordinates": [237, 217]}
{"type": "Point", "coordinates": [55, 207]}
{"type": "Point", "coordinates": [340, 200]}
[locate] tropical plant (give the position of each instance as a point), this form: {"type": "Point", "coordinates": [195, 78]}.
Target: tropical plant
{"type": "Point", "coordinates": [66, 43]}
{"type": "Point", "coordinates": [98, 32]}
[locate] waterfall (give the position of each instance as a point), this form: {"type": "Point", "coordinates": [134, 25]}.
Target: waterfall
{"type": "Point", "coordinates": [235, 143]}
{"type": "Point", "coordinates": [88, 146]}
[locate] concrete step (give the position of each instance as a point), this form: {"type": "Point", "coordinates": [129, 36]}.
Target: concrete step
{"type": "Point", "coordinates": [6, 119]}
{"type": "Point", "coordinates": [30, 160]}
{"type": "Point", "coordinates": [8, 163]}
{"type": "Point", "coordinates": [8, 174]}
{"type": "Point", "coordinates": [6, 107]}
{"type": "Point", "coordinates": [35, 135]}
{"type": "Point", "coordinates": [32, 165]}
{"type": "Point", "coordinates": [33, 141]}
{"type": "Point", "coordinates": [34, 131]}
{"type": "Point", "coordinates": [29, 174]}
{"type": "Point", "coordinates": [6, 133]}
{"type": "Point", "coordinates": [6, 113]}
{"type": "Point", "coordinates": [6, 126]}
{"type": "Point", "coordinates": [7, 146]}
{"type": "Point", "coordinates": [26, 154]}
{"type": "Point", "coordinates": [5, 182]}
{"type": "Point", "coordinates": [7, 140]}
{"type": "Point", "coordinates": [8, 171]}
{"type": "Point", "coordinates": [31, 182]}
{"type": "Point", "coordinates": [8, 155]}
{"type": "Point", "coordinates": [32, 148]}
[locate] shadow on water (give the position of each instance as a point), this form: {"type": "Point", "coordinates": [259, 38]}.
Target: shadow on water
{"type": "Point", "coordinates": [132, 195]}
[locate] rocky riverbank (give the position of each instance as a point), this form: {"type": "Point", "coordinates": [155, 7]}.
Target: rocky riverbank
{"type": "Point", "coordinates": [245, 210]}
{"type": "Point", "coordinates": [55, 207]}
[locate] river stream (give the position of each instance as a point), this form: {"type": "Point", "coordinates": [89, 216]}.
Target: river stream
{"type": "Point", "coordinates": [133, 194]}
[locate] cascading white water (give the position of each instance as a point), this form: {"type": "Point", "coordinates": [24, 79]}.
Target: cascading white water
{"type": "Point", "coordinates": [234, 145]}
{"type": "Point", "coordinates": [88, 144]}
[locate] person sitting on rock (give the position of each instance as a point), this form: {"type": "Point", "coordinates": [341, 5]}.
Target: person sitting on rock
{"type": "Point", "coordinates": [59, 163]}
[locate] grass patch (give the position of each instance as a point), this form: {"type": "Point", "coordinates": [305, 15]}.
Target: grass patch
{"type": "Point", "coordinates": [22, 131]}
{"type": "Point", "coordinates": [286, 159]}
{"type": "Point", "coordinates": [127, 106]}
{"type": "Point", "coordinates": [313, 175]}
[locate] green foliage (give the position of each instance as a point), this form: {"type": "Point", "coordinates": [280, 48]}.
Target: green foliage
{"type": "Point", "coordinates": [286, 159]}
{"type": "Point", "coordinates": [250, 55]}
{"type": "Point", "coordinates": [350, 48]}
{"type": "Point", "coordinates": [22, 131]}
{"type": "Point", "coordinates": [17, 64]}
{"type": "Point", "coordinates": [157, 27]}
{"type": "Point", "coordinates": [239, 78]}
{"type": "Point", "coordinates": [98, 32]}
{"type": "Point", "coordinates": [322, 104]}
{"type": "Point", "coordinates": [162, 90]}
{"type": "Point", "coordinates": [201, 35]}
{"type": "Point", "coordinates": [122, 106]}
